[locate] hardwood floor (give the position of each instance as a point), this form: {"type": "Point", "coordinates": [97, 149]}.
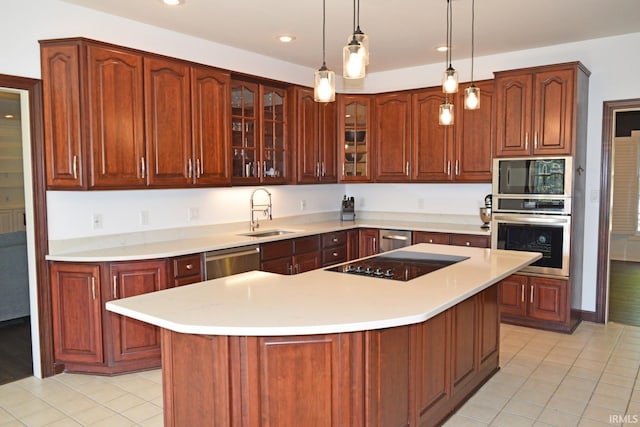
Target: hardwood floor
{"type": "Point", "coordinates": [624, 292]}
{"type": "Point", "coordinates": [15, 350]}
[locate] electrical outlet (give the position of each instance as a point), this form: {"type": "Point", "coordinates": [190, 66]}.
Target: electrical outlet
{"type": "Point", "coordinates": [96, 221]}
{"type": "Point", "coordinates": [144, 217]}
{"type": "Point", "coordinates": [303, 205]}
{"type": "Point", "coordinates": [194, 213]}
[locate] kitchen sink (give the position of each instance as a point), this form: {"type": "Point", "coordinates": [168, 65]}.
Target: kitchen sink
{"type": "Point", "coordinates": [267, 233]}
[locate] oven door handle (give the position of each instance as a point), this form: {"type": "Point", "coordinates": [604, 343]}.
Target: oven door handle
{"type": "Point", "coordinates": [537, 219]}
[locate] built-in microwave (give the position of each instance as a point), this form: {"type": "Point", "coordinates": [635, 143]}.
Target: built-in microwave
{"type": "Point", "coordinates": [532, 184]}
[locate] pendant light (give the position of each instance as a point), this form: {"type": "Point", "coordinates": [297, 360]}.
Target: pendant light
{"type": "Point", "coordinates": [472, 93]}
{"type": "Point", "coordinates": [353, 55]}
{"type": "Point", "coordinates": [324, 88]}
{"type": "Point", "coordinates": [450, 76]}
{"type": "Point", "coordinates": [445, 117]}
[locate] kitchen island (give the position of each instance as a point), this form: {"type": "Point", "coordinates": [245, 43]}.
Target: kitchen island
{"type": "Point", "coordinates": [325, 348]}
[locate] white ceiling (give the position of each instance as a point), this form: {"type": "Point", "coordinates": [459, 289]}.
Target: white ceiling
{"type": "Point", "coordinates": [402, 33]}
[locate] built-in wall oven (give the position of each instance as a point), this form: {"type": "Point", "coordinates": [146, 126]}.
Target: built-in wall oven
{"type": "Point", "coordinates": [532, 210]}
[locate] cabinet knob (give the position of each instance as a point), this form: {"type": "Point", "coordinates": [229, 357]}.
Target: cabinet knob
{"type": "Point", "coordinates": [189, 267]}
{"type": "Point", "coordinates": [430, 240]}
{"type": "Point", "coordinates": [467, 243]}
{"type": "Point", "coordinates": [335, 240]}
{"type": "Point", "coordinates": [335, 254]}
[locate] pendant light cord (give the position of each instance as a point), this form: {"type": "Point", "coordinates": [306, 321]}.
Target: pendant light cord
{"type": "Point", "coordinates": [449, 31]}
{"type": "Point", "coordinates": [473, 26]}
{"type": "Point", "coordinates": [324, 18]}
{"type": "Point", "coordinates": [358, 15]}
{"type": "Point", "coordinates": [354, 17]}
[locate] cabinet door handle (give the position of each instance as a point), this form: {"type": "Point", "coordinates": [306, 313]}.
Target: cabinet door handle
{"type": "Point", "coordinates": [522, 294]}
{"type": "Point", "coordinates": [374, 245]}
{"type": "Point", "coordinates": [406, 169]}
{"type": "Point", "coordinates": [189, 168]}
{"type": "Point", "coordinates": [457, 167]}
{"type": "Point", "coordinates": [324, 169]}
{"type": "Point", "coordinates": [535, 140]}
{"type": "Point", "coordinates": [115, 287]}
{"type": "Point", "coordinates": [531, 295]}
{"type": "Point", "coordinates": [317, 168]}
{"type": "Point", "coordinates": [75, 167]}
{"type": "Point", "coordinates": [93, 287]}
{"type": "Point", "coordinates": [526, 140]}
{"type": "Point", "coordinates": [143, 168]}
{"type": "Point", "coordinates": [198, 168]}
{"type": "Point", "coordinates": [290, 269]}
{"type": "Point", "coordinates": [449, 167]}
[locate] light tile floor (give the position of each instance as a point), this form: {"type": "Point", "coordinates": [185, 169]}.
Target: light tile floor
{"type": "Point", "coordinates": [547, 379]}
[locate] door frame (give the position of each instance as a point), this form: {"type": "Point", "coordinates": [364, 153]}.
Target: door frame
{"type": "Point", "coordinates": [44, 339]}
{"type": "Point", "coordinates": [602, 281]}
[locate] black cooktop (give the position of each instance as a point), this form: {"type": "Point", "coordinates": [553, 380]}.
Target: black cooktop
{"type": "Point", "coordinates": [399, 265]}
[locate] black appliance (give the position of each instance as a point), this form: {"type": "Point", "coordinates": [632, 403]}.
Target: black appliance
{"type": "Point", "coordinates": [399, 265]}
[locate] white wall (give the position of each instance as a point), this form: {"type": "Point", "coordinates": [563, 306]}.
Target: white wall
{"type": "Point", "coordinates": [612, 61]}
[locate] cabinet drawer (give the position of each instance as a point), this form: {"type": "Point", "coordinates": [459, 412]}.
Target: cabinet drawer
{"type": "Point", "coordinates": [189, 265]}
{"type": "Point", "coordinates": [337, 238]}
{"type": "Point", "coordinates": [307, 244]}
{"type": "Point", "coordinates": [334, 255]}
{"type": "Point", "coordinates": [431, 237]}
{"type": "Point", "coordinates": [472, 240]}
{"type": "Point", "coordinates": [279, 249]}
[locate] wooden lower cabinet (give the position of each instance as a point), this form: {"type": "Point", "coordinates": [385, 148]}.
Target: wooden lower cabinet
{"type": "Point", "coordinates": [455, 239]}
{"type": "Point", "coordinates": [291, 256]}
{"type": "Point", "coordinates": [407, 375]}
{"type": "Point", "coordinates": [87, 338]}
{"type": "Point", "coordinates": [536, 301]}
{"type": "Point", "coordinates": [368, 242]}
{"type": "Point", "coordinates": [77, 313]}
{"type": "Point", "coordinates": [186, 269]}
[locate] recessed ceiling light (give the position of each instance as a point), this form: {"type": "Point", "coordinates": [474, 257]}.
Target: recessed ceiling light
{"type": "Point", "coordinates": [286, 38]}
{"type": "Point", "coordinates": [173, 2]}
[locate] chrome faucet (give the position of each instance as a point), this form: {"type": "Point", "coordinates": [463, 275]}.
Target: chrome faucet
{"type": "Point", "coordinates": [264, 208]}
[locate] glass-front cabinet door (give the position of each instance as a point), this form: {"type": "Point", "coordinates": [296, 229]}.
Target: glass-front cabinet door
{"type": "Point", "coordinates": [355, 134]}
{"type": "Point", "coordinates": [274, 135]}
{"type": "Point", "coordinates": [244, 131]}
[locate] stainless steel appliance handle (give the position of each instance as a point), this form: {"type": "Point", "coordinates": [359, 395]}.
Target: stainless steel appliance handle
{"type": "Point", "coordinates": [394, 237]}
{"type": "Point", "coordinates": [537, 219]}
{"type": "Point", "coordinates": [231, 254]}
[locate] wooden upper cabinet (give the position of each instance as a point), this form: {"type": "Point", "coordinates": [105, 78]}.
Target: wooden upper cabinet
{"type": "Point", "coordinates": [354, 137]}
{"type": "Point", "coordinates": [210, 93]}
{"type": "Point", "coordinates": [392, 137]}
{"type": "Point", "coordinates": [433, 143]}
{"type": "Point", "coordinates": [474, 136]}
{"type": "Point", "coordinates": [64, 149]}
{"type": "Point", "coordinates": [119, 118]}
{"type": "Point", "coordinates": [260, 134]}
{"type": "Point", "coordinates": [315, 137]}
{"type": "Point", "coordinates": [536, 109]}
{"type": "Point", "coordinates": [168, 122]}
{"type": "Point", "coordinates": [116, 118]}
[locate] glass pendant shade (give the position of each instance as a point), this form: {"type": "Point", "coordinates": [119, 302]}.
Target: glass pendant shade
{"type": "Point", "coordinates": [324, 88]}
{"type": "Point", "coordinates": [472, 97]}
{"type": "Point", "coordinates": [363, 39]}
{"type": "Point", "coordinates": [353, 62]}
{"type": "Point", "coordinates": [450, 80]}
{"type": "Point", "coordinates": [446, 114]}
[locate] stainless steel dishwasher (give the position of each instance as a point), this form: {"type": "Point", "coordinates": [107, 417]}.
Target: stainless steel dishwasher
{"type": "Point", "coordinates": [394, 239]}
{"type": "Point", "coordinates": [226, 262]}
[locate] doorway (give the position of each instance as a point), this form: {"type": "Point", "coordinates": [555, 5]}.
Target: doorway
{"type": "Point", "coordinates": [616, 296]}
{"type": "Point", "coordinates": [34, 219]}
{"type": "Point", "coordinates": [15, 320]}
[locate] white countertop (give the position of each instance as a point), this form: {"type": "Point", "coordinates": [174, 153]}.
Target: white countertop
{"type": "Point", "coordinates": [231, 237]}
{"type": "Point", "coordinates": [266, 304]}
